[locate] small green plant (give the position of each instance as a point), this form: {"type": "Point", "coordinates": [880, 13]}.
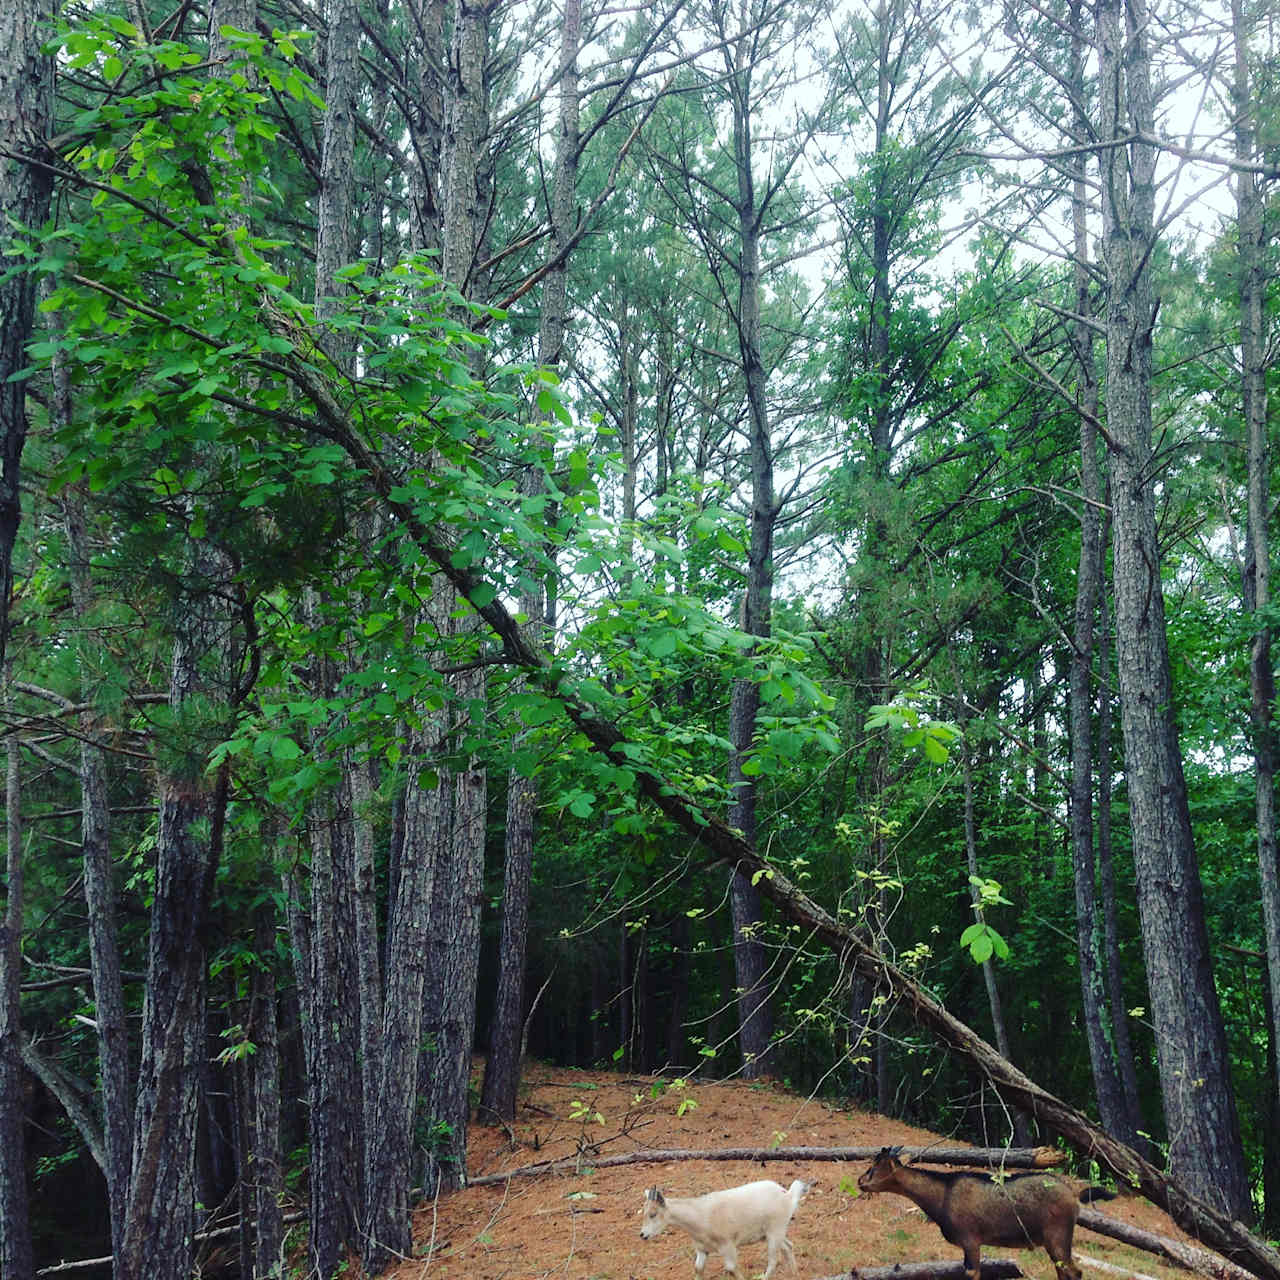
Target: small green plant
{"type": "Point", "coordinates": [239, 1046]}
{"type": "Point", "coordinates": [981, 939]}
{"type": "Point", "coordinates": [585, 1113]}
{"type": "Point", "coordinates": [686, 1103]}
{"type": "Point", "coordinates": [45, 1165]}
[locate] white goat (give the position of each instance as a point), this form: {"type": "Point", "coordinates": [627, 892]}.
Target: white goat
{"type": "Point", "coordinates": [720, 1221]}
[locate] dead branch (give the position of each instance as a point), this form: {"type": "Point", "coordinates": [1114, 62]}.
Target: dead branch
{"type": "Point", "coordinates": [979, 1157]}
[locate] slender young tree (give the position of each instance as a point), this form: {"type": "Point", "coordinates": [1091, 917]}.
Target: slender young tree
{"type": "Point", "coordinates": [502, 1066]}
{"type": "Point", "coordinates": [99, 880]}
{"type": "Point", "coordinates": [16, 1258]}
{"type": "Point", "coordinates": [755, 1017]}
{"type": "Point", "coordinates": [731, 204]}
{"type": "Point", "coordinates": [1252, 235]}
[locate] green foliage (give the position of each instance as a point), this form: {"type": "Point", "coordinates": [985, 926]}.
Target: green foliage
{"type": "Point", "coordinates": [208, 408]}
{"type": "Point", "coordinates": [933, 737]}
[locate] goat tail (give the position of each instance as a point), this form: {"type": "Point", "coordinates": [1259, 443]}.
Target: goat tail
{"type": "Point", "coordinates": [1089, 1194]}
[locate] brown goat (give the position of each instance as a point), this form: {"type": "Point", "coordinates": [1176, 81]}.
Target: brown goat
{"type": "Point", "coordinates": [972, 1209]}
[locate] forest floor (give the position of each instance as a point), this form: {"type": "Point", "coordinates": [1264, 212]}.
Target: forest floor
{"type": "Point", "coordinates": [584, 1224]}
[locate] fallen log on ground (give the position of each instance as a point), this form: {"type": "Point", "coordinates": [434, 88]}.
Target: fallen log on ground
{"type": "Point", "coordinates": [1083, 1260]}
{"type": "Point", "coordinates": [997, 1269]}
{"type": "Point", "coordinates": [1174, 1251]}
{"type": "Point", "coordinates": [975, 1157]}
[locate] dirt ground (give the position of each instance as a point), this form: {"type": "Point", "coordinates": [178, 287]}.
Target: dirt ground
{"type": "Point", "coordinates": [584, 1224]}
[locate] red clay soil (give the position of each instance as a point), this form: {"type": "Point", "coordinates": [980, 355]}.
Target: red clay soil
{"type": "Point", "coordinates": [585, 1224]}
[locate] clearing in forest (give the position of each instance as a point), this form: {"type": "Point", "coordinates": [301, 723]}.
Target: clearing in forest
{"type": "Point", "coordinates": [584, 1224]}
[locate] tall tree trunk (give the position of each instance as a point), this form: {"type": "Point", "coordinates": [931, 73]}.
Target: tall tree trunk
{"type": "Point", "coordinates": [755, 1016]}
{"type": "Point", "coordinates": [1252, 237]}
{"type": "Point", "coordinates": [446, 131]}
{"type": "Point", "coordinates": [367, 946]}
{"type": "Point", "coordinates": [466, 117]}
{"type": "Point", "coordinates": [16, 1259]}
{"type": "Point", "coordinates": [344, 1009]}
{"type": "Point", "coordinates": [1112, 1102]}
{"type": "Point", "coordinates": [1120, 1028]}
{"type": "Point", "coordinates": [262, 1070]}
{"type": "Point", "coordinates": [453, 950]}
{"type": "Point", "coordinates": [336, 200]}
{"type": "Point", "coordinates": [99, 889]}
{"type": "Point", "coordinates": [332, 1031]}
{"type": "Point", "coordinates": [427, 56]}
{"type": "Point", "coordinates": [1205, 1150]}
{"type": "Point", "coordinates": [870, 1014]}
{"type": "Point", "coordinates": [454, 911]}
{"type": "Point", "coordinates": [26, 114]}
{"type": "Point", "coordinates": [389, 1162]}
{"type": "Point", "coordinates": [160, 1220]}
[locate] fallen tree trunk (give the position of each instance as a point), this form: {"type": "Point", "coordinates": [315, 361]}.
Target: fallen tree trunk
{"type": "Point", "coordinates": [1083, 1260]}
{"type": "Point", "coordinates": [1174, 1251]}
{"type": "Point", "coordinates": [580, 702]}
{"type": "Point", "coordinates": [977, 1157]}
{"type": "Point", "coordinates": [999, 1269]}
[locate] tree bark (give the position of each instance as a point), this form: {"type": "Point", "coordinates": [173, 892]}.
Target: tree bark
{"type": "Point", "coordinates": [389, 1160]}
{"type": "Point", "coordinates": [26, 114]}
{"type": "Point", "coordinates": [453, 947]}
{"type": "Point", "coordinates": [1120, 1030]}
{"type": "Point", "coordinates": [332, 1033]}
{"type": "Point", "coordinates": [426, 123]}
{"type": "Point", "coordinates": [162, 1193]}
{"type": "Point", "coordinates": [1200, 1113]}
{"type": "Point", "coordinates": [264, 1156]}
{"type": "Point", "coordinates": [1108, 1087]}
{"type": "Point", "coordinates": [336, 197]}
{"type": "Point", "coordinates": [466, 114]}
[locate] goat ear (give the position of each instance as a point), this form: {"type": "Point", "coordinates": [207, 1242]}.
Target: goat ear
{"type": "Point", "coordinates": [654, 1194]}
